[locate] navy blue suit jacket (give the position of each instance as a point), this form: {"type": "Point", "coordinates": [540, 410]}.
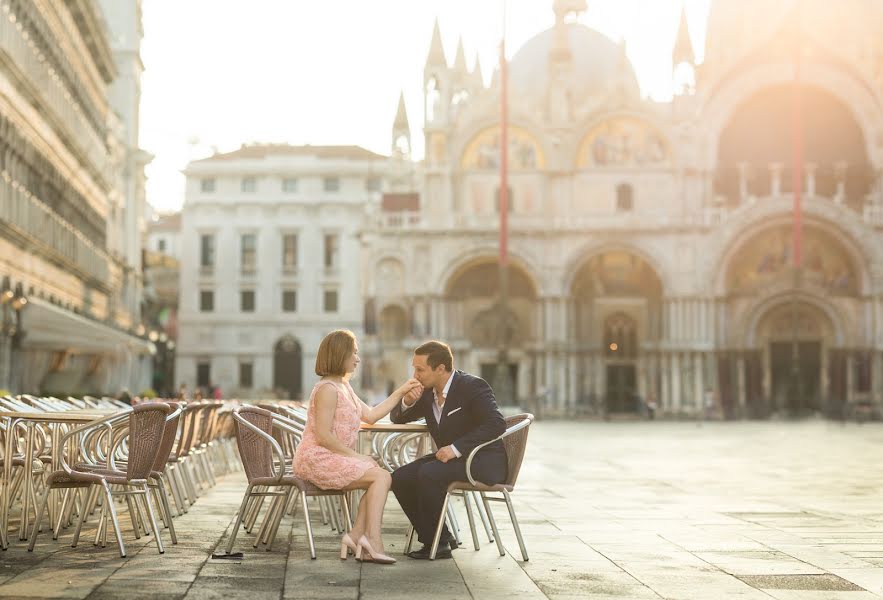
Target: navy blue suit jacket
{"type": "Point", "coordinates": [470, 416]}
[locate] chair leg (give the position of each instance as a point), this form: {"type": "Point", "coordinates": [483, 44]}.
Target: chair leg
{"type": "Point", "coordinates": [490, 516]}
{"type": "Point", "coordinates": [410, 540]}
{"type": "Point", "coordinates": [167, 509]}
{"type": "Point", "coordinates": [238, 520]}
{"type": "Point", "coordinates": [102, 523]}
{"type": "Point", "coordinates": [471, 519]}
{"type": "Point", "coordinates": [321, 502]}
{"type": "Point", "coordinates": [39, 518]}
{"type": "Point", "coordinates": [152, 515]}
{"type": "Point", "coordinates": [308, 525]}
{"type": "Point", "coordinates": [453, 523]}
{"type": "Point", "coordinates": [84, 507]}
{"type": "Point", "coordinates": [278, 521]}
{"type": "Point", "coordinates": [295, 503]}
{"type": "Point", "coordinates": [515, 525]}
{"type": "Point", "coordinates": [483, 515]}
{"type": "Point", "coordinates": [133, 515]}
{"type": "Point", "coordinates": [267, 523]}
{"type": "Point", "coordinates": [438, 529]}
{"type": "Point", "coordinates": [346, 512]}
{"type": "Point", "coordinates": [63, 509]}
{"type": "Point", "coordinates": [113, 517]}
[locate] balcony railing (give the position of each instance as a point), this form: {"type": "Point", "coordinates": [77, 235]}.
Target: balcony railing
{"type": "Point", "coordinates": [22, 212]}
{"type": "Point", "coordinates": [34, 64]}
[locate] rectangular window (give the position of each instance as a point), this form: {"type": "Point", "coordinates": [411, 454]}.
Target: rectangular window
{"type": "Point", "coordinates": [372, 184]}
{"type": "Point", "coordinates": [289, 251]}
{"type": "Point", "coordinates": [161, 245]}
{"type": "Point", "coordinates": [289, 185]}
{"type": "Point", "coordinates": [207, 250]}
{"type": "Point", "coordinates": [207, 185]}
{"type": "Point", "coordinates": [246, 300]}
{"type": "Point", "coordinates": [248, 185]}
{"type": "Point", "coordinates": [203, 374]}
{"type": "Point", "coordinates": [246, 375]}
{"type": "Point", "coordinates": [249, 252]}
{"type": "Point", "coordinates": [289, 301]}
{"type": "Point", "coordinates": [331, 184]}
{"type": "Point", "coordinates": [332, 250]}
{"type": "Point", "coordinates": [206, 301]}
{"type": "Point", "coordinates": [330, 301]}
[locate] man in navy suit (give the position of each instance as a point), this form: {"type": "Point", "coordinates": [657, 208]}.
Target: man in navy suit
{"type": "Point", "coordinates": [461, 413]}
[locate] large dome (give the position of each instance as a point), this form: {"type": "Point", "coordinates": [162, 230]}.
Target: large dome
{"type": "Point", "coordinates": [597, 63]}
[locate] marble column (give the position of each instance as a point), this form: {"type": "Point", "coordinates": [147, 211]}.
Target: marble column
{"type": "Point", "coordinates": [840, 177]}
{"type": "Point", "coordinates": [676, 391]}
{"type": "Point", "coordinates": [743, 182]}
{"type": "Point", "coordinates": [810, 169]}
{"type": "Point", "coordinates": [665, 371]}
{"type": "Point", "coordinates": [850, 377]}
{"type": "Point", "coordinates": [740, 385]}
{"type": "Point", "coordinates": [564, 395]}
{"type": "Point", "coordinates": [775, 179]}
{"type": "Point", "coordinates": [698, 381]}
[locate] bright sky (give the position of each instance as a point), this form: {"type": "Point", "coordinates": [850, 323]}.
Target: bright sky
{"type": "Point", "coordinates": [223, 72]}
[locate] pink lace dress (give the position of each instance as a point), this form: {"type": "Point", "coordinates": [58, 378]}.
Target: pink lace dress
{"type": "Point", "coordinates": [320, 466]}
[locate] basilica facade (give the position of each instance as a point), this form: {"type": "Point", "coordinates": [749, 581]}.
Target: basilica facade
{"type": "Point", "coordinates": [651, 243]}
{"type": "Point", "coordinates": [652, 254]}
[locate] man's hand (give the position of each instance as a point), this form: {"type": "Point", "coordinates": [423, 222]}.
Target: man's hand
{"type": "Point", "coordinates": [413, 394]}
{"type": "Point", "coordinates": [445, 454]}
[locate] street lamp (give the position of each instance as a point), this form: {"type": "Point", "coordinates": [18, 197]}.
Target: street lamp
{"type": "Point", "coordinates": [11, 304]}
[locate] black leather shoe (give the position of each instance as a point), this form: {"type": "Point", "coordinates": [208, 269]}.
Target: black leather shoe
{"type": "Point", "coordinates": [423, 553]}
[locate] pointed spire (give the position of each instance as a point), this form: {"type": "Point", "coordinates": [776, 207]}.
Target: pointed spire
{"type": "Point", "coordinates": [683, 49]}
{"type": "Point", "coordinates": [460, 60]}
{"type": "Point", "coordinates": [401, 121]}
{"type": "Point", "coordinates": [436, 57]}
{"type": "Point", "coordinates": [476, 79]}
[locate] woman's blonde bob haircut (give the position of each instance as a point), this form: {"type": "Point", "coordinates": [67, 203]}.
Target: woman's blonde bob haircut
{"type": "Point", "coordinates": [333, 353]}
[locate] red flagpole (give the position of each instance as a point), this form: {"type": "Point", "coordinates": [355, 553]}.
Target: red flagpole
{"type": "Point", "coordinates": [504, 153]}
{"type": "Point", "coordinates": [797, 143]}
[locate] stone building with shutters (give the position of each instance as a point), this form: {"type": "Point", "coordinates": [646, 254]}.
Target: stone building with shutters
{"type": "Point", "coordinates": [71, 198]}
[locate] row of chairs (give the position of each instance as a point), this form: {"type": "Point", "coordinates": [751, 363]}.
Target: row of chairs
{"type": "Point", "coordinates": [126, 456]}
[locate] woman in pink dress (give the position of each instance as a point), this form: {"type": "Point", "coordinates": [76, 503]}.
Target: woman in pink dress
{"type": "Point", "coordinates": [327, 454]}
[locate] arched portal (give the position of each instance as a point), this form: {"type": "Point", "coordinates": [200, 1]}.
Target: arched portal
{"type": "Point", "coordinates": [474, 315]}
{"type": "Point", "coordinates": [793, 338]}
{"type": "Point", "coordinates": [616, 299]}
{"type": "Point", "coordinates": [287, 376]}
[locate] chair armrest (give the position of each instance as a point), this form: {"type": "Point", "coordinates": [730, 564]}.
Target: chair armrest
{"type": "Point", "coordinates": [277, 449]}
{"type": "Point", "coordinates": [509, 431]}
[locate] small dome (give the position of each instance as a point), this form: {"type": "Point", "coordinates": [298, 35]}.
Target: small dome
{"type": "Point", "coordinates": [597, 63]}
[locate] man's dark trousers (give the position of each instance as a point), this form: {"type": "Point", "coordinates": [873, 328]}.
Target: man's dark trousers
{"type": "Point", "coordinates": [420, 486]}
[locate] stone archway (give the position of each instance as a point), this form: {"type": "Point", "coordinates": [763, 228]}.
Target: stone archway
{"type": "Point", "coordinates": [287, 368]}
{"type": "Point", "coordinates": [474, 318]}
{"type": "Point", "coordinates": [794, 339]}
{"type": "Point", "coordinates": [615, 327]}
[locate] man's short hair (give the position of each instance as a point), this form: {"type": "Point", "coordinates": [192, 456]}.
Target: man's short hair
{"type": "Point", "coordinates": [333, 353]}
{"type": "Point", "coordinates": [436, 353]}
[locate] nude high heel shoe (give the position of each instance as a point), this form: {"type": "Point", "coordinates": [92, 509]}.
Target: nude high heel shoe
{"type": "Point", "coordinates": [372, 556]}
{"type": "Point", "coordinates": [347, 544]}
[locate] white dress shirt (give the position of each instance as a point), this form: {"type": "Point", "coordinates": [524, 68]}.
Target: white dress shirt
{"type": "Point", "coordinates": [438, 410]}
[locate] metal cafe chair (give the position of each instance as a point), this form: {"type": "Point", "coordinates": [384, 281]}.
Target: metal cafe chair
{"type": "Point", "coordinates": [515, 443]}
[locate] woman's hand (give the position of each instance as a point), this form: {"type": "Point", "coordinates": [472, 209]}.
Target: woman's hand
{"type": "Point", "coordinates": [412, 386]}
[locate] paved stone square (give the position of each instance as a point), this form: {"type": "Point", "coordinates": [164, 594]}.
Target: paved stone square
{"type": "Point", "coordinates": [609, 510]}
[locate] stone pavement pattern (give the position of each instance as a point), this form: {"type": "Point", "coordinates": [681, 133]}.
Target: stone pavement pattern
{"type": "Point", "coordinates": [616, 510]}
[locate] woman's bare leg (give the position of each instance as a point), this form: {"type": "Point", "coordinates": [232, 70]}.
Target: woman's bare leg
{"type": "Point", "coordinates": [377, 481]}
